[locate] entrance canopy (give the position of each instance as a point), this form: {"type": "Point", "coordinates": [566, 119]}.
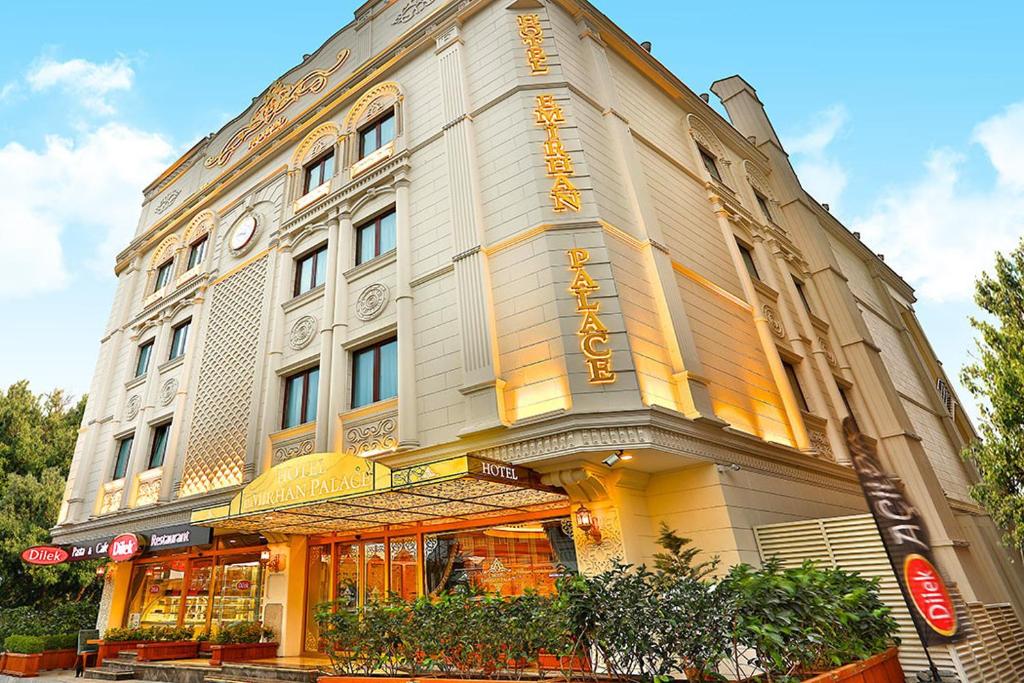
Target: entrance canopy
{"type": "Point", "coordinates": [326, 492]}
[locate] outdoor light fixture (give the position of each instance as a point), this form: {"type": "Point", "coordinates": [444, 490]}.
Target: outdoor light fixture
{"type": "Point", "coordinates": [614, 458]}
{"type": "Point", "coordinates": [101, 570]}
{"type": "Point", "coordinates": [587, 524]}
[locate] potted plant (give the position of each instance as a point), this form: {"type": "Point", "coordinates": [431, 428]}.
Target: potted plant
{"type": "Point", "coordinates": [59, 651]}
{"type": "Point", "coordinates": [204, 641]}
{"type": "Point", "coordinates": [117, 640]}
{"type": "Point", "coordinates": [24, 654]}
{"type": "Point", "coordinates": [242, 641]}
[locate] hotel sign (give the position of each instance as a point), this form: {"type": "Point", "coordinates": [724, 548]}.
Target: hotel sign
{"type": "Point", "coordinates": [564, 194]}
{"type": "Point", "coordinates": [306, 479]}
{"type": "Point", "coordinates": [592, 333]}
{"type": "Point", "coordinates": [532, 35]}
{"type": "Point", "coordinates": [905, 538]}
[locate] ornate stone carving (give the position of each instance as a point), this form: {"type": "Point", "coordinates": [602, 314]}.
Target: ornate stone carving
{"type": "Point", "coordinates": [293, 449]}
{"type": "Point", "coordinates": [372, 302]}
{"type": "Point", "coordinates": [820, 443]}
{"type": "Point", "coordinates": [594, 558]}
{"type": "Point", "coordinates": [168, 390]}
{"type": "Point", "coordinates": [167, 201]}
{"type": "Point", "coordinates": [705, 137]}
{"type": "Point", "coordinates": [372, 437]}
{"type": "Point", "coordinates": [827, 350]}
{"type": "Point", "coordinates": [131, 408]}
{"type": "Point", "coordinates": [303, 332]}
{"type": "Point", "coordinates": [268, 117]}
{"type": "Point", "coordinates": [757, 179]}
{"type": "Point", "coordinates": [148, 492]}
{"type": "Point", "coordinates": [111, 500]}
{"type": "Point", "coordinates": [772, 318]}
{"type": "Point", "coordinates": [411, 10]}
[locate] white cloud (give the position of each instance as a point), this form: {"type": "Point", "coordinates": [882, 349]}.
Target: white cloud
{"type": "Point", "coordinates": [820, 174]}
{"type": "Point", "coordinates": [84, 191]}
{"type": "Point", "coordinates": [7, 90]}
{"type": "Point", "coordinates": [87, 81]}
{"type": "Point", "coordinates": [939, 233]}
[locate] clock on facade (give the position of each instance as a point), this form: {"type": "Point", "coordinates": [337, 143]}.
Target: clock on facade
{"type": "Point", "coordinates": [243, 233]}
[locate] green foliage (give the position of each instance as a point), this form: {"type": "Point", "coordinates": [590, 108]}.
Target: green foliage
{"type": "Point", "coordinates": [163, 634]}
{"type": "Point", "coordinates": [62, 641]}
{"type": "Point", "coordinates": [24, 645]}
{"type": "Point", "coordinates": [996, 379]}
{"type": "Point", "coordinates": [37, 441]}
{"type": "Point", "coordinates": [240, 632]}
{"type": "Point", "coordinates": [38, 621]}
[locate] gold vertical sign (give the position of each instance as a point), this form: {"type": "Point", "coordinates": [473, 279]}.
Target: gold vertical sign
{"type": "Point", "coordinates": [564, 194]}
{"type": "Point", "coordinates": [532, 34]}
{"type": "Point", "coordinates": [592, 333]}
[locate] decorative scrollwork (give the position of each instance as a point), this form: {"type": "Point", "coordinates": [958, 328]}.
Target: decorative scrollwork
{"type": "Point", "coordinates": [302, 332]}
{"type": "Point", "coordinates": [372, 437]}
{"type": "Point", "coordinates": [292, 450]}
{"type": "Point", "coordinates": [168, 390]}
{"type": "Point", "coordinates": [148, 492]}
{"type": "Point", "coordinates": [411, 10]}
{"type": "Point", "coordinates": [827, 350]}
{"type": "Point", "coordinates": [772, 318]}
{"type": "Point", "coordinates": [167, 201]}
{"type": "Point", "coordinates": [820, 443]}
{"type": "Point", "coordinates": [372, 302]}
{"type": "Point", "coordinates": [131, 408]}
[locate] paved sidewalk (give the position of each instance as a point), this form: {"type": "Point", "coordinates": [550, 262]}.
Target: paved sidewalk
{"type": "Point", "coordinates": [45, 676]}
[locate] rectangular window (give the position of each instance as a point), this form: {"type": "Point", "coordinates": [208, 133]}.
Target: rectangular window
{"type": "Point", "coordinates": [159, 450]}
{"type": "Point", "coordinates": [802, 293]}
{"type": "Point", "coordinates": [846, 402]}
{"type": "Point", "coordinates": [163, 274]}
{"type": "Point", "coordinates": [710, 163]}
{"type": "Point", "coordinates": [376, 134]}
{"type": "Point", "coordinates": [300, 395]}
{"type": "Point", "coordinates": [375, 373]}
{"type": "Point", "coordinates": [310, 270]}
{"type": "Point", "coordinates": [375, 237]}
{"type": "Point", "coordinates": [319, 171]}
{"type": "Point", "coordinates": [124, 452]}
{"type": "Point", "coordinates": [179, 339]}
{"type": "Point", "coordinates": [748, 259]}
{"type": "Point", "coordinates": [197, 252]}
{"type": "Point", "coordinates": [763, 203]}
{"type": "Point", "coordinates": [795, 383]}
{"type": "Point", "coordinates": [142, 363]}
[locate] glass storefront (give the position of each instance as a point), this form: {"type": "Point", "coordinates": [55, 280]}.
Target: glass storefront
{"type": "Point", "coordinates": [155, 594]}
{"type": "Point", "coordinates": [510, 559]}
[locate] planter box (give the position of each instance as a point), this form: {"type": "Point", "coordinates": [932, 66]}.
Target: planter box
{"type": "Point", "coordinates": [553, 663]}
{"type": "Point", "coordinates": [23, 666]}
{"type": "Point", "coordinates": [58, 659]}
{"type": "Point", "coordinates": [109, 649]}
{"type": "Point", "coordinates": [883, 668]}
{"type": "Point", "coordinates": [205, 645]}
{"type": "Point", "coordinates": [156, 652]}
{"type": "Point", "coordinates": [410, 679]}
{"type": "Point", "coordinates": [241, 652]}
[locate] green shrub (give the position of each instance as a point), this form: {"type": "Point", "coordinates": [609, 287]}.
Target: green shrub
{"type": "Point", "coordinates": [164, 634]}
{"type": "Point", "coordinates": [24, 645]}
{"type": "Point", "coordinates": [63, 641]}
{"type": "Point", "coordinates": [241, 632]}
{"type": "Point", "coordinates": [35, 621]}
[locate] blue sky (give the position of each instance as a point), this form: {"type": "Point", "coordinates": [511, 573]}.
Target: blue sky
{"type": "Point", "coordinates": [907, 117]}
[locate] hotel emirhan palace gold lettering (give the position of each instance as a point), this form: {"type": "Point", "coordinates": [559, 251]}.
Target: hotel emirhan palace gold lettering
{"type": "Point", "coordinates": [402, 221]}
{"type": "Point", "coordinates": [592, 331]}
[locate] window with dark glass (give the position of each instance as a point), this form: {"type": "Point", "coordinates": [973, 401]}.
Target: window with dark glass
{"type": "Point", "coordinates": [794, 382]}
{"type": "Point", "coordinates": [375, 237]}
{"type": "Point", "coordinates": [319, 171]}
{"type": "Point", "coordinates": [300, 395]}
{"type": "Point", "coordinates": [763, 203]}
{"type": "Point", "coordinates": [802, 293]}
{"type": "Point", "coordinates": [846, 402]}
{"type": "Point", "coordinates": [375, 373]}
{"type": "Point", "coordinates": [376, 134]}
{"type": "Point", "coordinates": [163, 274]}
{"type": "Point", "coordinates": [748, 259]}
{"type": "Point", "coordinates": [310, 270]}
{"type": "Point", "coordinates": [179, 339]}
{"type": "Point", "coordinates": [710, 163]}
{"type": "Point", "coordinates": [124, 452]}
{"type": "Point", "coordinates": [142, 362]}
{"type": "Point", "coordinates": [159, 449]}
{"type": "Point", "coordinates": [197, 252]}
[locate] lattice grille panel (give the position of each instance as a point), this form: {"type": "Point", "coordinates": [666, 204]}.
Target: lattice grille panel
{"type": "Point", "coordinates": [215, 455]}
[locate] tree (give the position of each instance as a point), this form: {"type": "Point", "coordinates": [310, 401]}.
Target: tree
{"type": "Point", "coordinates": [37, 441]}
{"type": "Point", "coordinates": [996, 379]}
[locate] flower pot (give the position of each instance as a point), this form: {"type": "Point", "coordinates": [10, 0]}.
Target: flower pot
{"type": "Point", "coordinates": [241, 652]}
{"type": "Point", "coordinates": [882, 668]}
{"type": "Point", "coordinates": [162, 651]}
{"type": "Point", "coordinates": [58, 659]}
{"type": "Point", "coordinates": [23, 666]}
{"type": "Point", "coordinates": [205, 645]}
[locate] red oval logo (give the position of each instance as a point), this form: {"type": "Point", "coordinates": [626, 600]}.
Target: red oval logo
{"type": "Point", "coordinates": [243, 585]}
{"type": "Point", "coordinates": [124, 547]}
{"type": "Point", "coordinates": [930, 595]}
{"type": "Point", "coordinates": [44, 555]}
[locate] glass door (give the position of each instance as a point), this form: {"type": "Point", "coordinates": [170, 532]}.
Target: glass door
{"type": "Point", "coordinates": [346, 579]}
{"type": "Point", "coordinates": [318, 592]}
{"type": "Point", "coordinates": [237, 590]}
{"type": "Point", "coordinates": [197, 596]}
{"type": "Point", "coordinates": [375, 587]}
{"type": "Point", "coordinates": [155, 594]}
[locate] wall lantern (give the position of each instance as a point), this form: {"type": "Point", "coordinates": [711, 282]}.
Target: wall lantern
{"type": "Point", "coordinates": [273, 563]}
{"type": "Point", "coordinates": [587, 523]}
{"type": "Point", "coordinates": [101, 570]}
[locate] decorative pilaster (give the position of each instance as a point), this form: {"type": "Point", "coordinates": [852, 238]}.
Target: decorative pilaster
{"type": "Point", "coordinates": [339, 387]}
{"type": "Point", "coordinates": [481, 382]}
{"type": "Point", "coordinates": [325, 410]}
{"type": "Point", "coordinates": [275, 353]}
{"type": "Point", "coordinates": [408, 436]}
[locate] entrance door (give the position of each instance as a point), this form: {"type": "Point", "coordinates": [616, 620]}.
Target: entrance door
{"type": "Point", "coordinates": [197, 595]}
{"type": "Point", "coordinates": [237, 590]}
{"type": "Point", "coordinates": [360, 576]}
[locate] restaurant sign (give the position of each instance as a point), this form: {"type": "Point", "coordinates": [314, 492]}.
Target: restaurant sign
{"type": "Point", "coordinates": [164, 538]}
{"type": "Point", "coordinates": [905, 538]}
{"type": "Point", "coordinates": [44, 555]}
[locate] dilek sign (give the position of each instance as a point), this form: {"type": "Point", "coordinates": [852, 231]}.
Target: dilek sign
{"type": "Point", "coordinates": [905, 538]}
{"type": "Point", "coordinates": [120, 548]}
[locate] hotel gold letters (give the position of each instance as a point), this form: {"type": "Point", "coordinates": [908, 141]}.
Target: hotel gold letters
{"type": "Point", "coordinates": [532, 34]}
{"type": "Point", "coordinates": [559, 164]}
{"type": "Point", "coordinates": [592, 333]}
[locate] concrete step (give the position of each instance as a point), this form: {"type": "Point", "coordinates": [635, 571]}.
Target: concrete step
{"type": "Point", "coordinates": [243, 671]}
{"type": "Point", "coordinates": [106, 674]}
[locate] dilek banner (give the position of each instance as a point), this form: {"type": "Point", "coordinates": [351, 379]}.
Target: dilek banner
{"type": "Point", "coordinates": [938, 618]}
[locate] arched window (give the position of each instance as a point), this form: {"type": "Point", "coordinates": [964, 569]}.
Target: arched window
{"type": "Point", "coordinates": [710, 151]}
{"type": "Point", "coordinates": [314, 163]}
{"type": "Point", "coordinates": [196, 240]}
{"type": "Point", "coordinates": [161, 264]}
{"type": "Point", "coordinates": [373, 127]}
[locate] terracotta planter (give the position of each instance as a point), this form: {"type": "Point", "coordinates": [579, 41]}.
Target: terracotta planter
{"type": "Point", "coordinates": [156, 652]}
{"type": "Point", "coordinates": [406, 679]}
{"type": "Point", "coordinates": [23, 666]}
{"type": "Point", "coordinates": [241, 652]}
{"type": "Point", "coordinates": [58, 659]}
{"type": "Point", "coordinates": [553, 663]}
{"type": "Point", "coordinates": [205, 645]}
{"type": "Point", "coordinates": [883, 668]}
{"type": "Point", "coordinates": [109, 649]}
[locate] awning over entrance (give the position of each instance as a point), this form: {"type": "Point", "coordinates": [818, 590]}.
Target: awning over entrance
{"type": "Point", "coordinates": [325, 492]}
